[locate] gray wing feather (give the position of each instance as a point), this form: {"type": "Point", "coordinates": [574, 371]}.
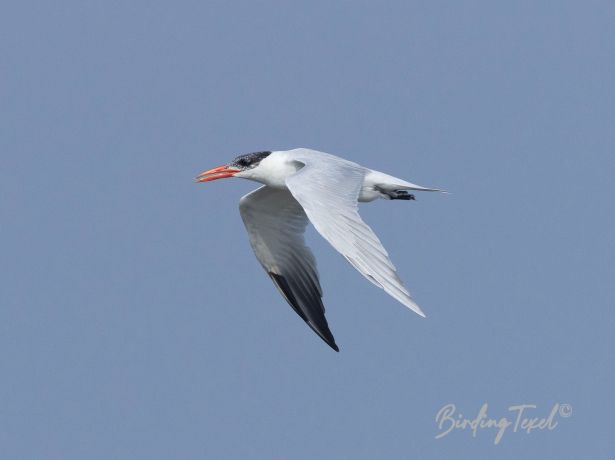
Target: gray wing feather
{"type": "Point", "coordinates": [327, 188]}
{"type": "Point", "coordinates": [276, 224]}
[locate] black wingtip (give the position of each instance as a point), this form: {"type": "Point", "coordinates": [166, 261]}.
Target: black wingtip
{"type": "Point", "coordinates": [315, 319]}
{"type": "Point", "coordinates": [329, 339]}
{"type": "Point", "coordinates": [325, 334]}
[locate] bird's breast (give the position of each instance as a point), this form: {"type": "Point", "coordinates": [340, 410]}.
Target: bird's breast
{"type": "Point", "coordinates": [369, 190]}
{"type": "Point", "coordinates": [369, 193]}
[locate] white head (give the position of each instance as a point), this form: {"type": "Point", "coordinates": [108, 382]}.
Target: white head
{"type": "Point", "coordinates": [244, 166]}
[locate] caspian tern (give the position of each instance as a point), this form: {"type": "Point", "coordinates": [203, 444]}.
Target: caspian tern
{"type": "Point", "coordinates": [301, 185]}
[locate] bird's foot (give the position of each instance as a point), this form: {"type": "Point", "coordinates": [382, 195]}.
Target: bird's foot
{"type": "Point", "coordinates": [402, 195]}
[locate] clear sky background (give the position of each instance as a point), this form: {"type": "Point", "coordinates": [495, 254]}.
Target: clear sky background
{"type": "Point", "coordinates": [135, 322]}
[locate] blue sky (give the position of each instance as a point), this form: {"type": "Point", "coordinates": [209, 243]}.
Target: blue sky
{"type": "Point", "coordinates": [135, 321]}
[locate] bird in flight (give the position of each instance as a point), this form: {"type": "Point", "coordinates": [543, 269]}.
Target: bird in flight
{"type": "Point", "coordinates": [304, 185]}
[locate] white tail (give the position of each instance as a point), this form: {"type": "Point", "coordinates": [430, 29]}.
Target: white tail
{"type": "Point", "coordinates": [389, 183]}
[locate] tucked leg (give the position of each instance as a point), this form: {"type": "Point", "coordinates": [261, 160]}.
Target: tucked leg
{"type": "Point", "coordinates": [401, 195]}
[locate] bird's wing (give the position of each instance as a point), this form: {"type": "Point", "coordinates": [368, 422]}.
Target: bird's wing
{"type": "Point", "coordinates": [275, 224]}
{"type": "Point", "coordinates": [327, 188]}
